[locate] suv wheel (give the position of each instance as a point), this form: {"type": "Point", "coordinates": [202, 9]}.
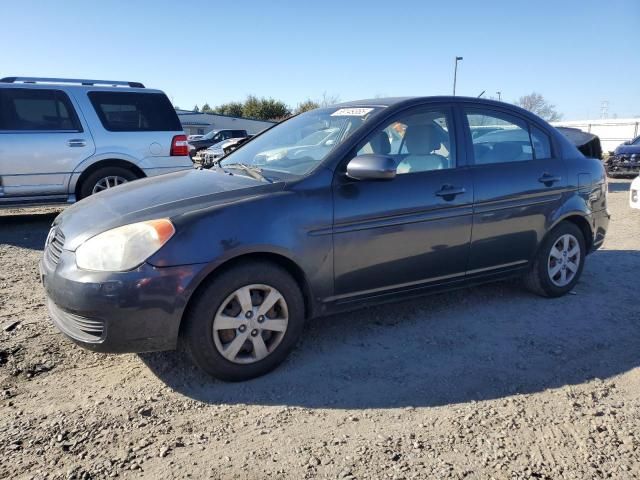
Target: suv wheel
{"type": "Point", "coordinates": [105, 178]}
{"type": "Point", "coordinates": [559, 262]}
{"type": "Point", "coordinates": [244, 322]}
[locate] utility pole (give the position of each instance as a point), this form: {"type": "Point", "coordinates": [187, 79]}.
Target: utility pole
{"type": "Point", "coordinates": [455, 74]}
{"type": "Point", "coordinates": [499, 95]}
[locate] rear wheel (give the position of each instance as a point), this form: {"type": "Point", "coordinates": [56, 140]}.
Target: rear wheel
{"type": "Point", "coordinates": [104, 179]}
{"type": "Point", "coordinates": [244, 322]}
{"type": "Point", "coordinates": [559, 262]}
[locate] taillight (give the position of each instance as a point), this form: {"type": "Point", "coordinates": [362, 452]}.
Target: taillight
{"type": "Point", "coordinates": [179, 146]}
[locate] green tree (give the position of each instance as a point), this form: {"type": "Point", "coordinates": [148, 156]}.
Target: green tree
{"type": "Point", "coordinates": [307, 105]}
{"type": "Point", "coordinates": [536, 103]}
{"type": "Point", "coordinates": [196, 109]}
{"type": "Point", "coordinates": [233, 109]}
{"type": "Point", "coordinates": [206, 108]}
{"type": "Point", "coordinates": [264, 108]}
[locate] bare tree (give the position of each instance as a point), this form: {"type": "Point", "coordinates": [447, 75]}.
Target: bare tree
{"type": "Point", "coordinates": [537, 104]}
{"type": "Point", "coordinates": [328, 100]}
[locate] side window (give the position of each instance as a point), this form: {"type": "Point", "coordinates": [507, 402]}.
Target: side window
{"type": "Point", "coordinates": [541, 143]}
{"type": "Point", "coordinates": [498, 137]}
{"type": "Point", "coordinates": [420, 140]}
{"type": "Point", "coordinates": [135, 112]}
{"type": "Point", "coordinates": [37, 110]}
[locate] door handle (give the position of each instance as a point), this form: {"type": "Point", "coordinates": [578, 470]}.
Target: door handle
{"type": "Point", "coordinates": [548, 180]}
{"type": "Point", "coordinates": [449, 192]}
{"type": "Point", "coordinates": [77, 142]}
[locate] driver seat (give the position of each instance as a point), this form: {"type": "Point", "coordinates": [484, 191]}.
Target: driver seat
{"type": "Point", "coordinates": [421, 142]}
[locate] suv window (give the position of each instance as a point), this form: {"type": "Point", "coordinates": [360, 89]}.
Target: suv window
{"type": "Point", "coordinates": [37, 110]}
{"type": "Point", "coordinates": [419, 141]}
{"type": "Point", "coordinates": [498, 137]}
{"type": "Point", "coordinates": [135, 112]}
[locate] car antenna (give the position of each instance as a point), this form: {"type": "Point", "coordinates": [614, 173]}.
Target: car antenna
{"type": "Point", "coordinates": [481, 93]}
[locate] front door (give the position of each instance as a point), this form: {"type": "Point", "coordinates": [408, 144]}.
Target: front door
{"type": "Point", "coordinates": [41, 142]}
{"type": "Point", "coordinates": [410, 231]}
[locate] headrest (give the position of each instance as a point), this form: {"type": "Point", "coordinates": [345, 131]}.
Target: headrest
{"type": "Point", "coordinates": [421, 139]}
{"type": "Point", "coordinates": [380, 143]}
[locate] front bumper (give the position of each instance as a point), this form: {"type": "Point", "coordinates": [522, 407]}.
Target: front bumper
{"type": "Point", "coordinates": [135, 311]}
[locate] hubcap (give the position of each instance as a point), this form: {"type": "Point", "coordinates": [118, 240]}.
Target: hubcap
{"type": "Point", "coordinates": [250, 323]}
{"type": "Point", "coordinates": [564, 260]}
{"type": "Point", "coordinates": [108, 182]}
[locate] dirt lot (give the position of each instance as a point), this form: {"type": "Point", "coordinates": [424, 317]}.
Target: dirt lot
{"type": "Point", "coordinates": [484, 383]}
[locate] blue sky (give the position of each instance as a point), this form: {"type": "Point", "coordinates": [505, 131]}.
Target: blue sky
{"type": "Point", "coordinates": [575, 53]}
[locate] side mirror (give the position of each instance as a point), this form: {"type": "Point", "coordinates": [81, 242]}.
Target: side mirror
{"type": "Point", "coordinates": [371, 167]}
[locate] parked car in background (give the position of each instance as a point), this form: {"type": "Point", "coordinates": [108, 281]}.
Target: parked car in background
{"type": "Point", "coordinates": [212, 154]}
{"type": "Point", "coordinates": [212, 138]}
{"type": "Point", "coordinates": [625, 160]}
{"type": "Point", "coordinates": [64, 139]}
{"type": "Point", "coordinates": [412, 195]}
{"type": "Point", "coordinates": [634, 193]}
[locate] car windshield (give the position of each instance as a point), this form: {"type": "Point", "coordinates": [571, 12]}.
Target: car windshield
{"type": "Point", "coordinates": [209, 135]}
{"type": "Point", "coordinates": [297, 146]}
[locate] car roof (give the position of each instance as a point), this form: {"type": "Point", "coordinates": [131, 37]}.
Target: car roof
{"type": "Point", "coordinates": [391, 101]}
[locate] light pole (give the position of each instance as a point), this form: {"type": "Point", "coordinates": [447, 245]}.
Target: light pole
{"type": "Point", "coordinates": [455, 74]}
{"type": "Point", "coordinates": [499, 96]}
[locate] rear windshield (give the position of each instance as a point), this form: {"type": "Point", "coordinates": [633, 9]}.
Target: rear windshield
{"type": "Point", "coordinates": [135, 112]}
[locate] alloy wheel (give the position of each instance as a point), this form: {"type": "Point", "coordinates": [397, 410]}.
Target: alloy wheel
{"type": "Point", "coordinates": [108, 182]}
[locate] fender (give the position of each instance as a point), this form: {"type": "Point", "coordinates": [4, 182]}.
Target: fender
{"type": "Point", "coordinates": [94, 159]}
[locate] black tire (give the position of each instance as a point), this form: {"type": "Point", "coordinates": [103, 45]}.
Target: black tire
{"type": "Point", "coordinates": [538, 279]}
{"type": "Point", "coordinates": [88, 184]}
{"type": "Point", "coordinates": [197, 332]}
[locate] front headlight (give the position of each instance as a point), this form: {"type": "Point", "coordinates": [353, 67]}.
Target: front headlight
{"type": "Point", "coordinates": [124, 248]}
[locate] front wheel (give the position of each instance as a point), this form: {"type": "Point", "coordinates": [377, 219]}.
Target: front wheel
{"type": "Point", "coordinates": [558, 263]}
{"type": "Point", "coordinates": [244, 322]}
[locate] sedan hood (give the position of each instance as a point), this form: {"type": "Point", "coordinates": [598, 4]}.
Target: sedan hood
{"type": "Point", "coordinates": [164, 196]}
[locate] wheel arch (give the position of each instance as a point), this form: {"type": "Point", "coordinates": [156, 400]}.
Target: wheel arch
{"type": "Point", "coordinates": [110, 162]}
{"type": "Point", "coordinates": [289, 265]}
{"type": "Point", "coordinates": [579, 220]}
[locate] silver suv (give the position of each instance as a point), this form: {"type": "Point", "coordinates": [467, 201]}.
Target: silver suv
{"type": "Point", "coordinates": [64, 139]}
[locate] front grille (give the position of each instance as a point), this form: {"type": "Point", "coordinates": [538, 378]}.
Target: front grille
{"type": "Point", "coordinates": [77, 327]}
{"type": "Point", "coordinates": [54, 246]}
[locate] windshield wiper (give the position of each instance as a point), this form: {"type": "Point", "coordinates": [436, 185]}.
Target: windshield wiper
{"type": "Point", "coordinates": [253, 172]}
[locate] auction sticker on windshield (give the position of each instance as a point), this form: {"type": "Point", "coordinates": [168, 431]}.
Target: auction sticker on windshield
{"type": "Point", "coordinates": [351, 112]}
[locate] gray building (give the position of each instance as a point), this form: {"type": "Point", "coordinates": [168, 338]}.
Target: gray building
{"type": "Point", "coordinates": [195, 123]}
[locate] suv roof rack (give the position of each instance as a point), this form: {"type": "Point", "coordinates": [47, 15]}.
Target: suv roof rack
{"type": "Point", "coordinates": [112, 83]}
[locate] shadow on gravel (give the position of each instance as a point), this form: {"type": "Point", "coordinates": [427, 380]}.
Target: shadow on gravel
{"type": "Point", "coordinates": [475, 344]}
{"type": "Point", "coordinates": [26, 230]}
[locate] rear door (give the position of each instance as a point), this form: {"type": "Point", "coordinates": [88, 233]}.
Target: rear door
{"type": "Point", "coordinates": [42, 140]}
{"type": "Point", "coordinates": [414, 230]}
{"type": "Point", "coordinates": [518, 181]}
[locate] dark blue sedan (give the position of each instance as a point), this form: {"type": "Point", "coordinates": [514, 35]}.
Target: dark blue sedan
{"type": "Point", "coordinates": [406, 196]}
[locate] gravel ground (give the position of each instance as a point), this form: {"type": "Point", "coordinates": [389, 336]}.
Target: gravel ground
{"type": "Point", "coordinates": [490, 382]}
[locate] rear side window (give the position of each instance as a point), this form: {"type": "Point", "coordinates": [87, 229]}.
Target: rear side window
{"type": "Point", "coordinates": [135, 112]}
{"type": "Point", "coordinates": [26, 109]}
{"type": "Point", "coordinates": [541, 143]}
{"type": "Point", "coordinates": [498, 137]}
